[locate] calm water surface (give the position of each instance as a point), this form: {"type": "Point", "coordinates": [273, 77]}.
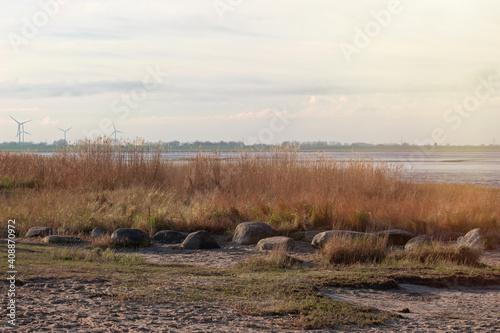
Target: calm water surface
{"type": "Point", "coordinates": [479, 168]}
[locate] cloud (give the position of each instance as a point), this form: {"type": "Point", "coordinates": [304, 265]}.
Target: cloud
{"type": "Point", "coordinates": [64, 89]}
{"type": "Point", "coordinates": [46, 121]}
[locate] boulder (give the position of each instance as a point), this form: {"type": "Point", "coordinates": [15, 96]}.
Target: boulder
{"type": "Point", "coordinates": [417, 242]}
{"type": "Point", "coordinates": [199, 240]}
{"type": "Point", "coordinates": [56, 239]}
{"type": "Point", "coordinates": [473, 239]}
{"type": "Point", "coordinates": [248, 233]}
{"type": "Point", "coordinates": [324, 237]}
{"type": "Point", "coordinates": [448, 236]}
{"type": "Point", "coordinates": [99, 232]}
{"type": "Point", "coordinates": [130, 237]}
{"type": "Point", "coordinates": [170, 237]}
{"type": "Point", "coordinates": [277, 242]}
{"type": "Point", "coordinates": [309, 235]}
{"type": "Point", "coordinates": [38, 232]}
{"type": "Point", "coordinates": [396, 236]}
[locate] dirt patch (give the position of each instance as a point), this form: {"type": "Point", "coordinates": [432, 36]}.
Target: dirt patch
{"type": "Point", "coordinates": [427, 309]}
{"type": "Point", "coordinates": [53, 305]}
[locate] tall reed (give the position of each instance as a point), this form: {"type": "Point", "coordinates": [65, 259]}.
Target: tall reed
{"type": "Point", "coordinates": [131, 184]}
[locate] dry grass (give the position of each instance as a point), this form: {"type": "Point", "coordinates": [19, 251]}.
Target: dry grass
{"type": "Point", "coordinates": [272, 260]}
{"type": "Point", "coordinates": [437, 253]}
{"type": "Point", "coordinates": [346, 250]}
{"type": "Point", "coordinates": [98, 184]}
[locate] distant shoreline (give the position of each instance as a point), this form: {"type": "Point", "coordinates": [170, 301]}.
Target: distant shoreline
{"type": "Point", "coordinates": [267, 148]}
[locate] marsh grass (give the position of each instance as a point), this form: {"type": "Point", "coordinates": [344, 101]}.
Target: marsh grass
{"type": "Point", "coordinates": [437, 253]}
{"type": "Point", "coordinates": [271, 260]}
{"type": "Point", "coordinates": [346, 250]}
{"type": "Point", "coordinates": [132, 185]}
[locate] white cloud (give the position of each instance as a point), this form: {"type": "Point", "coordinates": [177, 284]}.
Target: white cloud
{"type": "Point", "coordinates": [47, 121]}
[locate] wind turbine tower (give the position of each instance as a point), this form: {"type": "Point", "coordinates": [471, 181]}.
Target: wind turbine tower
{"type": "Point", "coordinates": [65, 142]}
{"type": "Point", "coordinates": [115, 131]}
{"type": "Point", "coordinates": [20, 128]}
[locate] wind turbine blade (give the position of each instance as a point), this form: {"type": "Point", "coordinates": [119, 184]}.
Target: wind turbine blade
{"type": "Point", "coordinates": [27, 121]}
{"type": "Point", "coordinates": [113, 125]}
{"type": "Point", "coordinates": [69, 129]}
{"type": "Point", "coordinates": [60, 129]}
{"type": "Point", "coordinates": [15, 120]}
{"type": "Point", "coordinates": [26, 133]}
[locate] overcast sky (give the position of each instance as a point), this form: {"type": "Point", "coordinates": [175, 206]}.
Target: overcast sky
{"type": "Point", "coordinates": [253, 70]}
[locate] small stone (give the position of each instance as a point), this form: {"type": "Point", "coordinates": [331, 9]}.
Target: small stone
{"type": "Point", "coordinates": [199, 240]}
{"type": "Point", "coordinates": [396, 236]}
{"type": "Point", "coordinates": [170, 237]}
{"type": "Point", "coordinates": [38, 232]}
{"type": "Point", "coordinates": [417, 242]}
{"type": "Point", "coordinates": [277, 242]}
{"type": "Point", "coordinates": [99, 232]}
{"type": "Point", "coordinates": [448, 236]}
{"type": "Point", "coordinates": [473, 239]}
{"type": "Point", "coordinates": [248, 233]}
{"type": "Point", "coordinates": [324, 237]}
{"type": "Point", "coordinates": [57, 239]}
{"type": "Point", "coordinates": [130, 237]}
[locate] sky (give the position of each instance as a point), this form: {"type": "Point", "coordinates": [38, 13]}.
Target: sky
{"type": "Point", "coordinates": [252, 70]}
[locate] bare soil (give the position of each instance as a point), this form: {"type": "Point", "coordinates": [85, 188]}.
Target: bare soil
{"type": "Point", "coordinates": [50, 305]}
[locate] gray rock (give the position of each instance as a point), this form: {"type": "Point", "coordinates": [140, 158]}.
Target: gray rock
{"type": "Point", "coordinates": [38, 232]}
{"type": "Point", "coordinates": [130, 237]}
{"type": "Point", "coordinates": [473, 239]}
{"type": "Point", "coordinates": [324, 237]}
{"type": "Point", "coordinates": [170, 237]}
{"type": "Point", "coordinates": [199, 240]}
{"type": "Point", "coordinates": [248, 233]}
{"type": "Point", "coordinates": [417, 242]}
{"type": "Point", "coordinates": [98, 232]}
{"type": "Point", "coordinates": [396, 236]}
{"type": "Point", "coordinates": [57, 239]}
{"type": "Point", "coordinates": [309, 235]}
{"type": "Point", "coordinates": [448, 236]}
{"type": "Point", "coordinates": [277, 242]}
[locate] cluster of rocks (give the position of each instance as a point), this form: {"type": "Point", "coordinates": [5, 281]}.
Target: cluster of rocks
{"type": "Point", "coordinates": [259, 234]}
{"type": "Point", "coordinates": [49, 238]}
{"type": "Point", "coordinates": [397, 237]}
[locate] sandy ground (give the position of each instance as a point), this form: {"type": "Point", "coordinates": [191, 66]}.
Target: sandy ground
{"type": "Point", "coordinates": [430, 309]}
{"type": "Point", "coordinates": [89, 306]}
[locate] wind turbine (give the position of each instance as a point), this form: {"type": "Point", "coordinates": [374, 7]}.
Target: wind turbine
{"type": "Point", "coordinates": [65, 142]}
{"type": "Point", "coordinates": [115, 131]}
{"type": "Point", "coordinates": [20, 128]}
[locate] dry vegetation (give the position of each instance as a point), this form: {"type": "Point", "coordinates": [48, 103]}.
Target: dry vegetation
{"type": "Point", "coordinates": [351, 250]}
{"type": "Point", "coordinates": [97, 184]}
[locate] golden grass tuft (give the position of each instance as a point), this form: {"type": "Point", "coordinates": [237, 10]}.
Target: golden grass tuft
{"type": "Point", "coordinates": [271, 260]}
{"type": "Point", "coordinates": [437, 253]}
{"type": "Point", "coordinates": [347, 250]}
